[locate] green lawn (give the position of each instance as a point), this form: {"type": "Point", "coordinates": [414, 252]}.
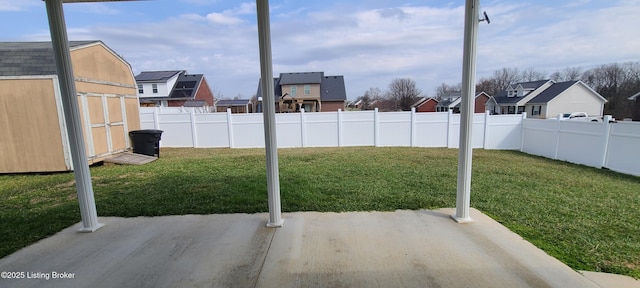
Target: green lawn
{"type": "Point", "coordinates": [587, 218]}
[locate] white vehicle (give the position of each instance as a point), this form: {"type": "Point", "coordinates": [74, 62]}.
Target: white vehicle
{"type": "Point", "coordinates": [582, 116]}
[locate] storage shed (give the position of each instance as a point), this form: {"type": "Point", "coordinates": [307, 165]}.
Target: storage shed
{"type": "Point", "coordinates": [33, 137]}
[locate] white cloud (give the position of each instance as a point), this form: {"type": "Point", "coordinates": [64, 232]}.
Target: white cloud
{"type": "Point", "coordinates": [224, 19]}
{"type": "Point", "coordinates": [12, 5]}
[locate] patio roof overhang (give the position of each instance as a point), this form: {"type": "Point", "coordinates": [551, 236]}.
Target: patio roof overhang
{"type": "Point", "coordinates": [71, 112]}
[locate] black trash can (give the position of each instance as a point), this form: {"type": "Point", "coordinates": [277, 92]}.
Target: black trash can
{"type": "Point", "coordinates": [146, 142]}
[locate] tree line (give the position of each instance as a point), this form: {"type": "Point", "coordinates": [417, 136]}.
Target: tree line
{"type": "Point", "coordinates": [615, 82]}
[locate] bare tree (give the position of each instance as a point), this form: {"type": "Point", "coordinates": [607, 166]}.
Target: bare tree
{"type": "Point", "coordinates": [567, 74]}
{"type": "Point", "coordinates": [615, 82]}
{"type": "Point", "coordinates": [445, 89]}
{"type": "Point", "coordinates": [531, 74]}
{"type": "Point", "coordinates": [404, 92]}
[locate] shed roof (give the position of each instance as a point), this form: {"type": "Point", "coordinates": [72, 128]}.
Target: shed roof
{"type": "Point", "coordinates": [32, 58]}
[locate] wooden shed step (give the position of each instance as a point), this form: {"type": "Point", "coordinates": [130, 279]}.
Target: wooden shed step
{"type": "Point", "coordinates": [130, 159]}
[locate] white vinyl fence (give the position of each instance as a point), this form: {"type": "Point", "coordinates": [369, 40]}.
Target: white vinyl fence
{"type": "Point", "coordinates": [614, 146]}
{"type": "Point", "coordinates": [331, 129]}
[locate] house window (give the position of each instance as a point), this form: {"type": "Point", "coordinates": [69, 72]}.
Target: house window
{"type": "Point", "coordinates": [155, 88]}
{"type": "Point", "coordinates": [307, 89]}
{"type": "Point", "coordinates": [520, 109]}
{"type": "Point", "coordinates": [294, 90]}
{"type": "Point", "coordinates": [511, 110]}
{"type": "Point", "coordinates": [535, 110]}
{"type": "Point", "coordinates": [140, 89]}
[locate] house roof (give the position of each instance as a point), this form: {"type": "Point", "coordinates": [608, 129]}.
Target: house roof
{"type": "Point", "coordinates": [532, 84]}
{"type": "Point", "coordinates": [502, 96]}
{"type": "Point", "coordinates": [195, 103]}
{"type": "Point", "coordinates": [156, 76]}
{"type": "Point", "coordinates": [301, 78]}
{"type": "Point", "coordinates": [186, 86]}
{"type": "Point", "coordinates": [235, 102]}
{"type": "Point", "coordinates": [423, 100]}
{"type": "Point", "coordinates": [32, 58]}
{"type": "Point", "coordinates": [332, 89]}
{"type": "Point", "coordinates": [552, 92]}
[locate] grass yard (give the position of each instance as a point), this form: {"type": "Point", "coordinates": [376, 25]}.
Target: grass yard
{"type": "Point", "coordinates": [587, 218]}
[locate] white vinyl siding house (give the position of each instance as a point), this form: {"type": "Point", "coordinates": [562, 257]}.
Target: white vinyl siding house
{"type": "Point", "coordinates": [576, 98]}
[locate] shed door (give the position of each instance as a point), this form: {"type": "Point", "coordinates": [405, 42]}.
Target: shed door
{"type": "Point", "coordinates": [104, 125]}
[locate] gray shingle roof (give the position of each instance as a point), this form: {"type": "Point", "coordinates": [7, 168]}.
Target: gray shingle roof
{"type": "Point", "coordinates": [156, 76]}
{"type": "Point", "coordinates": [531, 85]}
{"type": "Point", "coordinates": [195, 103]}
{"type": "Point", "coordinates": [301, 78]}
{"type": "Point", "coordinates": [186, 86]}
{"type": "Point", "coordinates": [332, 89]}
{"type": "Point", "coordinates": [276, 85]}
{"type": "Point", "coordinates": [551, 92]}
{"type": "Point", "coordinates": [31, 58]}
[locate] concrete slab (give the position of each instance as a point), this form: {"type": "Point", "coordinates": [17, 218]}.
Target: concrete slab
{"type": "Point", "coordinates": [359, 249]}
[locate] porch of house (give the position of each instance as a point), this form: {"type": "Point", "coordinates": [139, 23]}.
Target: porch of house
{"type": "Point", "coordinates": [355, 249]}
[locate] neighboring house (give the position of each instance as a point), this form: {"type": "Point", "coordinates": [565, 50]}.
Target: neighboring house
{"type": "Point", "coordinates": [33, 134]}
{"type": "Point", "coordinates": [311, 91]}
{"type": "Point", "coordinates": [236, 106]}
{"type": "Point", "coordinates": [425, 104]}
{"type": "Point", "coordinates": [451, 101]}
{"type": "Point", "coordinates": [547, 99]}
{"type": "Point", "coordinates": [636, 107]}
{"type": "Point", "coordinates": [173, 89]}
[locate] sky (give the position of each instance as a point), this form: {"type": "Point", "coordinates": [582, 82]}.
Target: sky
{"type": "Point", "coordinates": [369, 42]}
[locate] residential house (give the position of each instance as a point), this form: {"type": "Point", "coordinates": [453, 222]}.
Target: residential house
{"type": "Point", "coordinates": [547, 99]}
{"type": "Point", "coordinates": [173, 89]}
{"type": "Point", "coordinates": [311, 91]}
{"type": "Point", "coordinates": [513, 99]}
{"type": "Point", "coordinates": [425, 104]}
{"type": "Point", "coordinates": [33, 131]}
{"type": "Point", "coordinates": [451, 101]}
{"type": "Point", "coordinates": [636, 107]}
{"type": "Point", "coordinates": [236, 106]}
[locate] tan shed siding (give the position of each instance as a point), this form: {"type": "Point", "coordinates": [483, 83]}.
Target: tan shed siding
{"type": "Point", "coordinates": [30, 136]}
{"type": "Point", "coordinates": [115, 109]}
{"type": "Point", "coordinates": [84, 87]}
{"type": "Point", "coordinates": [133, 115]}
{"type": "Point", "coordinates": [97, 62]}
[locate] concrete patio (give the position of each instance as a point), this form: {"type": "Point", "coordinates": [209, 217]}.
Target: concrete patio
{"type": "Point", "coordinates": [356, 249]}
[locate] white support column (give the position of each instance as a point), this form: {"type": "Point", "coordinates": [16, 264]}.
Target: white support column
{"type": "Point", "coordinates": [466, 116]}
{"type": "Point", "coordinates": [269, 113]}
{"type": "Point", "coordinates": [71, 110]}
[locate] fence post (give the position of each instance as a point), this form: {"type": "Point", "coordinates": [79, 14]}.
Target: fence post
{"type": "Point", "coordinates": [340, 140]}
{"type": "Point", "coordinates": [449, 124]}
{"type": "Point", "coordinates": [555, 153]}
{"type": "Point", "coordinates": [376, 128]}
{"type": "Point", "coordinates": [230, 128]}
{"type": "Point", "coordinates": [303, 129]}
{"type": "Point", "coordinates": [156, 121]}
{"type": "Point", "coordinates": [485, 141]}
{"type": "Point", "coordinates": [413, 127]}
{"type": "Point", "coordinates": [522, 130]}
{"type": "Point", "coordinates": [606, 134]}
{"type": "Point", "coordinates": [194, 136]}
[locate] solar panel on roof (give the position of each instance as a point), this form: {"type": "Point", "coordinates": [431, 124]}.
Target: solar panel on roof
{"type": "Point", "coordinates": [186, 84]}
